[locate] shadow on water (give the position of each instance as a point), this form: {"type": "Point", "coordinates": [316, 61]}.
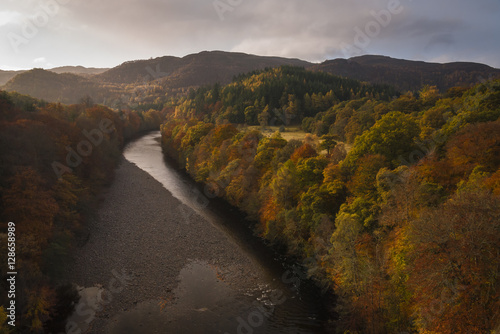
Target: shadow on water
{"type": "Point", "coordinates": [286, 303]}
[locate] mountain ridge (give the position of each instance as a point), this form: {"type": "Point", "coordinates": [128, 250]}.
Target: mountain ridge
{"type": "Point", "coordinates": [5, 76]}
{"type": "Point", "coordinates": [408, 75]}
{"type": "Point", "coordinates": [171, 75]}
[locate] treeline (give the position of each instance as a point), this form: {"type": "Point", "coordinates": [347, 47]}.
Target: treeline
{"type": "Point", "coordinates": [54, 160]}
{"type": "Point", "coordinates": [283, 95]}
{"type": "Point", "coordinates": [404, 228]}
{"type": "Point", "coordinates": [349, 119]}
{"type": "Point", "coordinates": [69, 88]}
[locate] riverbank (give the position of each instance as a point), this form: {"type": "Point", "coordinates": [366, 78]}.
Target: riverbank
{"type": "Point", "coordinates": [142, 237]}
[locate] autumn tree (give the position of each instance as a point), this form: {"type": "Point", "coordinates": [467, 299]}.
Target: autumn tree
{"type": "Point", "coordinates": [454, 272]}
{"type": "Point", "coordinates": [40, 305]}
{"type": "Point", "coordinates": [4, 328]}
{"type": "Point", "coordinates": [32, 208]}
{"type": "Point", "coordinates": [286, 186]}
{"type": "Point", "coordinates": [264, 117]}
{"type": "Point", "coordinates": [304, 152]}
{"type": "Point", "coordinates": [475, 145]}
{"type": "Point", "coordinates": [393, 136]}
{"type": "Point", "coordinates": [329, 142]}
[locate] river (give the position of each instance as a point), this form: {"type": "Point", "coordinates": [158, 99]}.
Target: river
{"type": "Point", "coordinates": [261, 293]}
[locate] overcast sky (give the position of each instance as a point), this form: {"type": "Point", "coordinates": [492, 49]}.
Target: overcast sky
{"type": "Point", "coordinates": [105, 33]}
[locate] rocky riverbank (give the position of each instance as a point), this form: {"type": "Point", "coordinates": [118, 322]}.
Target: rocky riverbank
{"type": "Point", "coordinates": [138, 246]}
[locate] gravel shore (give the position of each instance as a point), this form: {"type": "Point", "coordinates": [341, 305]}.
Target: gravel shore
{"type": "Point", "coordinates": [141, 234]}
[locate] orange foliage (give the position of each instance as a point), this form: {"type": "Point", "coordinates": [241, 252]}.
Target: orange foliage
{"type": "Point", "coordinates": [493, 183]}
{"type": "Point", "coordinates": [363, 181]}
{"type": "Point", "coordinates": [476, 144]}
{"type": "Point", "coordinates": [433, 170]}
{"type": "Point", "coordinates": [268, 213]}
{"type": "Point", "coordinates": [303, 152]}
{"type": "Point", "coordinates": [455, 264]}
{"type": "Point", "coordinates": [32, 208]}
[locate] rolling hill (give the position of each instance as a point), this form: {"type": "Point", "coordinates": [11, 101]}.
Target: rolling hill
{"type": "Point", "coordinates": [79, 70]}
{"type": "Point", "coordinates": [146, 80]}
{"type": "Point", "coordinates": [407, 75]}
{"type": "Point", "coordinates": [5, 76]}
{"type": "Point", "coordinates": [65, 87]}
{"type": "Point", "coordinates": [169, 73]}
{"type": "Point", "coordinates": [193, 70]}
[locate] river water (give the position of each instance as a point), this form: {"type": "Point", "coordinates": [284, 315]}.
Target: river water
{"type": "Point", "coordinates": [283, 302]}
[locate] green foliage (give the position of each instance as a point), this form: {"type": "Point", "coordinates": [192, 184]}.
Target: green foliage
{"type": "Point", "coordinates": [351, 268]}
{"type": "Point", "coordinates": [285, 185]}
{"type": "Point", "coordinates": [393, 137]}
{"type": "Point", "coordinates": [283, 95]}
{"type": "Point", "coordinates": [372, 224]}
{"type": "Point", "coordinates": [194, 134]}
{"type": "Point", "coordinates": [480, 104]}
{"type": "Point", "coordinates": [266, 150]}
{"type": "Point", "coordinates": [329, 142]}
{"type": "Point", "coordinates": [310, 170]}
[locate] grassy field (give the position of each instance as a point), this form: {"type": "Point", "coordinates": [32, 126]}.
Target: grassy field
{"type": "Point", "coordinates": [291, 132]}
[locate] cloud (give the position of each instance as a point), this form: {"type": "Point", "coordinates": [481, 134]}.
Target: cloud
{"type": "Point", "coordinates": [106, 33]}
{"type": "Point", "coordinates": [40, 60]}
{"type": "Point", "coordinates": [446, 39]}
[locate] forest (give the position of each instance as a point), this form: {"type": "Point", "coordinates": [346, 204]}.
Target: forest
{"type": "Point", "coordinates": [54, 161]}
{"type": "Point", "coordinates": [392, 201]}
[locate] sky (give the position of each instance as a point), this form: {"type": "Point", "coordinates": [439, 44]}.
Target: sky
{"type": "Point", "coordinates": [106, 33]}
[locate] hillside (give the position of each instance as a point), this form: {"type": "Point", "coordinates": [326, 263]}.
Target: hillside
{"type": "Point", "coordinates": [126, 82]}
{"type": "Point", "coordinates": [210, 67]}
{"type": "Point", "coordinates": [5, 76]}
{"type": "Point", "coordinates": [65, 88]}
{"type": "Point", "coordinates": [146, 83]}
{"type": "Point", "coordinates": [278, 96]}
{"type": "Point", "coordinates": [80, 70]}
{"type": "Point", "coordinates": [206, 67]}
{"type": "Point", "coordinates": [408, 75]}
{"type": "Point", "coordinates": [407, 219]}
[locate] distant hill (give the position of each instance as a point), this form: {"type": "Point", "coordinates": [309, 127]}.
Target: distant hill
{"type": "Point", "coordinates": [5, 76]}
{"type": "Point", "coordinates": [407, 75]}
{"type": "Point", "coordinates": [210, 67]}
{"type": "Point", "coordinates": [193, 70]}
{"type": "Point", "coordinates": [80, 70]}
{"type": "Point", "coordinates": [65, 88]}
{"type": "Point", "coordinates": [149, 81]}
{"type": "Point", "coordinates": [169, 73]}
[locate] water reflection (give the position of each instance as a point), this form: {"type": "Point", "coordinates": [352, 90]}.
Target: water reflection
{"type": "Point", "coordinates": [204, 302]}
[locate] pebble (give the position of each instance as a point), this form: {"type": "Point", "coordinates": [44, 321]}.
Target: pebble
{"type": "Point", "coordinates": [137, 231]}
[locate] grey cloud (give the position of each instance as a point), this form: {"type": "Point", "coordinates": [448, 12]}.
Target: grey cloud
{"type": "Point", "coordinates": [117, 31]}
{"type": "Point", "coordinates": [429, 27]}
{"type": "Point", "coordinates": [440, 39]}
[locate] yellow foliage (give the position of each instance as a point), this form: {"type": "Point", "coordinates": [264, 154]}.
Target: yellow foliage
{"type": "Point", "coordinates": [39, 306]}
{"type": "Point", "coordinates": [4, 329]}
